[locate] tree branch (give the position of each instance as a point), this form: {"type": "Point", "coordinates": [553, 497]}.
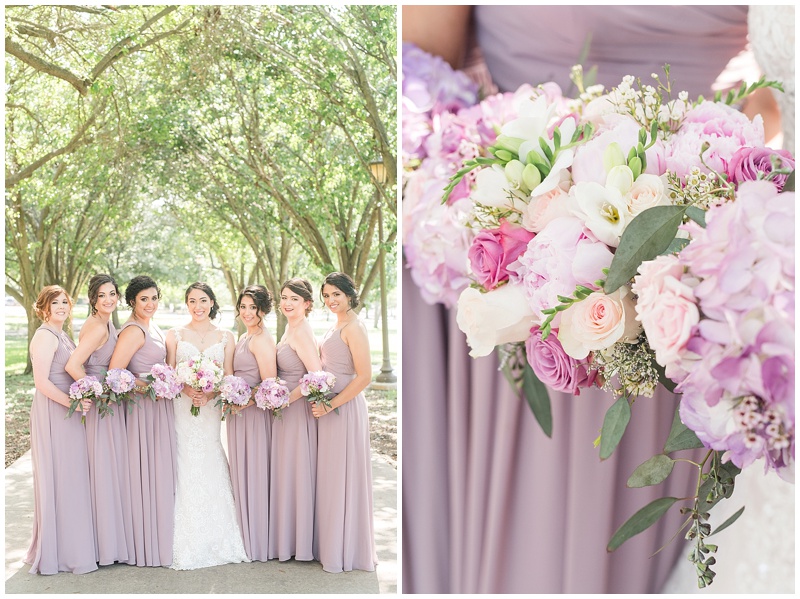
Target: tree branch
{"type": "Point", "coordinates": [43, 66]}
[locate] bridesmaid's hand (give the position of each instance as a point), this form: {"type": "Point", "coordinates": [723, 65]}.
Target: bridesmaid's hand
{"type": "Point", "coordinates": [319, 409]}
{"type": "Point", "coordinates": [86, 405]}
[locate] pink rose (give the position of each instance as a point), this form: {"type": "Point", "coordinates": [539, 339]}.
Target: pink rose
{"type": "Point", "coordinates": [493, 250]}
{"type": "Point", "coordinates": [670, 321]}
{"type": "Point", "coordinates": [544, 208]}
{"type": "Point", "coordinates": [554, 367]}
{"type": "Point", "coordinates": [598, 322]}
{"type": "Point", "coordinates": [752, 164]}
{"type": "Point", "coordinates": [649, 283]}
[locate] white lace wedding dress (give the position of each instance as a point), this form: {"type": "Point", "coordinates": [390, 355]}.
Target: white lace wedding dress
{"type": "Point", "coordinates": [206, 529]}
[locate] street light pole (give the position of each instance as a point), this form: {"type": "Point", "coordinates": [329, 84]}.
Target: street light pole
{"type": "Point", "coordinates": [386, 374]}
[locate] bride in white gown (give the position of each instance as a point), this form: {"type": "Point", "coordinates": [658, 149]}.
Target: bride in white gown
{"type": "Point", "coordinates": [206, 528]}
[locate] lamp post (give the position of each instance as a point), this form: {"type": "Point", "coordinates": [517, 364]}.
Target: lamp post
{"type": "Point", "coordinates": [386, 374]}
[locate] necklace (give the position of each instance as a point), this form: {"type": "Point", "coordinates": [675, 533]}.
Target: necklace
{"type": "Point", "coordinates": [204, 335]}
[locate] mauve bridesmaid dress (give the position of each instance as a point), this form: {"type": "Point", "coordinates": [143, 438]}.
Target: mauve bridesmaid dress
{"type": "Point", "coordinates": [293, 471]}
{"type": "Point", "coordinates": [249, 447]}
{"type": "Point", "coordinates": [151, 453]}
{"type": "Point", "coordinates": [108, 469]}
{"type": "Point", "coordinates": [63, 531]}
{"type": "Point", "coordinates": [490, 504]}
{"type": "Point", "coordinates": [344, 471]}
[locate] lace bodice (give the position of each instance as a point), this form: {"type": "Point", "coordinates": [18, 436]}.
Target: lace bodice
{"type": "Point", "coordinates": [186, 349]}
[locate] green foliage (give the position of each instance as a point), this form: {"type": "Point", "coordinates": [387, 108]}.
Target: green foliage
{"type": "Point", "coordinates": [652, 472]}
{"type": "Point", "coordinates": [641, 521]}
{"type": "Point", "coordinates": [614, 424]}
{"type": "Point", "coordinates": [538, 399]}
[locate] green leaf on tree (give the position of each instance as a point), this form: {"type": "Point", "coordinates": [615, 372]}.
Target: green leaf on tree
{"type": "Point", "coordinates": [538, 400]}
{"type": "Point", "coordinates": [640, 521]}
{"type": "Point", "coordinates": [651, 472]}
{"type": "Point", "coordinates": [614, 424]}
{"type": "Point", "coordinates": [647, 236]}
{"type": "Point", "coordinates": [680, 437]}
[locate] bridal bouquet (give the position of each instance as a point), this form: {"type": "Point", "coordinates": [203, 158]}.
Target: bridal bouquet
{"type": "Point", "coordinates": [118, 384]}
{"type": "Point", "coordinates": [272, 394]}
{"type": "Point", "coordinates": [233, 391]}
{"type": "Point", "coordinates": [316, 385]}
{"type": "Point", "coordinates": [202, 374]}
{"type": "Point", "coordinates": [163, 382]}
{"type": "Point", "coordinates": [87, 387]}
{"type": "Point", "coordinates": [632, 238]}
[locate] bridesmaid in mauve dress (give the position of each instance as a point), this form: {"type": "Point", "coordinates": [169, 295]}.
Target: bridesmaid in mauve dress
{"type": "Point", "coordinates": [150, 429]}
{"type": "Point", "coordinates": [490, 504]}
{"type": "Point", "coordinates": [250, 429]}
{"type": "Point", "coordinates": [344, 468]}
{"type": "Point", "coordinates": [293, 463]}
{"type": "Point", "coordinates": [106, 439]}
{"type": "Point", "coordinates": [63, 532]}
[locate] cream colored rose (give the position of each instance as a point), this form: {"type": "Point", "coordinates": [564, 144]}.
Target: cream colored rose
{"type": "Point", "coordinates": [546, 207]}
{"type": "Point", "coordinates": [494, 318]}
{"type": "Point", "coordinates": [647, 191]}
{"type": "Point", "coordinates": [598, 322]}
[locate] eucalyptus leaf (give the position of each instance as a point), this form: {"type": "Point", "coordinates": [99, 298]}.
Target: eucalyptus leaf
{"type": "Point", "coordinates": [676, 245]}
{"type": "Point", "coordinates": [538, 400]}
{"type": "Point", "coordinates": [729, 521]}
{"type": "Point", "coordinates": [680, 437]}
{"type": "Point", "coordinates": [667, 383]}
{"type": "Point", "coordinates": [697, 215]}
{"type": "Point", "coordinates": [640, 521]}
{"type": "Point", "coordinates": [647, 236]}
{"type": "Point", "coordinates": [614, 424]}
{"type": "Point", "coordinates": [651, 472]}
{"type": "Point", "coordinates": [789, 185]}
{"type": "Point", "coordinates": [728, 474]}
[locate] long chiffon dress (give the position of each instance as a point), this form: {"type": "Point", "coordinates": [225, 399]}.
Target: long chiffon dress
{"type": "Point", "coordinates": [108, 469]}
{"type": "Point", "coordinates": [293, 471]}
{"type": "Point", "coordinates": [344, 471]}
{"type": "Point", "coordinates": [249, 447]}
{"type": "Point", "coordinates": [490, 504]}
{"type": "Point", "coordinates": [152, 455]}
{"type": "Point", "coordinates": [63, 531]}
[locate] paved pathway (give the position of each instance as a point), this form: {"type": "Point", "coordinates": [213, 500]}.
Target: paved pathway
{"type": "Point", "coordinates": [257, 577]}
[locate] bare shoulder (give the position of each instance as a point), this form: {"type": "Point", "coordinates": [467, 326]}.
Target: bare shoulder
{"type": "Point", "coordinates": [355, 332]}
{"type": "Point", "coordinates": [43, 340]}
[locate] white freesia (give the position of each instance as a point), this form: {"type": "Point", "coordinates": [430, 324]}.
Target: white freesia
{"type": "Point", "coordinates": [646, 192]}
{"type": "Point", "coordinates": [533, 117]}
{"type": "Point", "coordinates": [494, 318]}
{"type": "Point", "coordinates": [604, 211]}
{"type": "Point", "coordinates": [598, 322]}
{"type": "Point", "coordinates": [621, 178]}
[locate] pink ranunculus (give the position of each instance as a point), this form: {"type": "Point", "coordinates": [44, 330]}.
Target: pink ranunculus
{"type": "Point", "coordinates": [493, 250]}
{"type": "Point", "coordinates": [554, 367]}
{"type": "Point", "coordinates": [670, 321]}
{"type": "Point", "coordinates": [722, 127]}
{"type": "Point", "coordinates": [598, 322]}
{"type": "Point", "coordinates": [752, 164]}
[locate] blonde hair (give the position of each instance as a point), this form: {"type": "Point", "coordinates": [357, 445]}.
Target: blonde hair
{"type": "Point", "coordinates": [46, 296]}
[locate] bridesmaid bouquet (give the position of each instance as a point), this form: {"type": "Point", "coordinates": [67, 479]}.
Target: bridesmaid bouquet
{"type": "Point", "coordinates": [316, 385]}
{"type": "Point", "coordinates": [632, 238]}
{"type": "Point", "coordinates": [163, 382]}
{"type": "Point", "coordinates": [272, 394]}
{"type": "Point", "coordinates": [87, 387]}
{"type": "Point", "coordinates": [233, 391]}
{"type": "Point", "coordinates": [201, 374]}
{"type": "Point", "coordinates": [117, 386]}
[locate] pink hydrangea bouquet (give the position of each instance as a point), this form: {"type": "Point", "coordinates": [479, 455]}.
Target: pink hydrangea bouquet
{"type": "Point", "coordinates": [118, 384]}
{"type": "Point", "coordinates": [595, 260]}
{"type": "Point", "coordinates": [317, 385]}
{"type": "Point", "coordinates": [272, 394]}
{"type": "Point", "coordinates": [163, 382]}
{"type": "Point", "coordinates": [202, 374]}
{"type": "Point", "coordinates": [233, 391]}
{"type": "Point", "coordinates": [87, 387]}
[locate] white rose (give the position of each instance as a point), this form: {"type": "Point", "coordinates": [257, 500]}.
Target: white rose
{"type": "Point", "coordinates": [598, 322]}
{"type": "Point", "coordinates": [494, 318]}
{"type": "Point", "coordinates": [492, 188]}
{"type": "Point", "coordinates": [544, 208]}
{"type": "Point", "coordinates": [647, 191]}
